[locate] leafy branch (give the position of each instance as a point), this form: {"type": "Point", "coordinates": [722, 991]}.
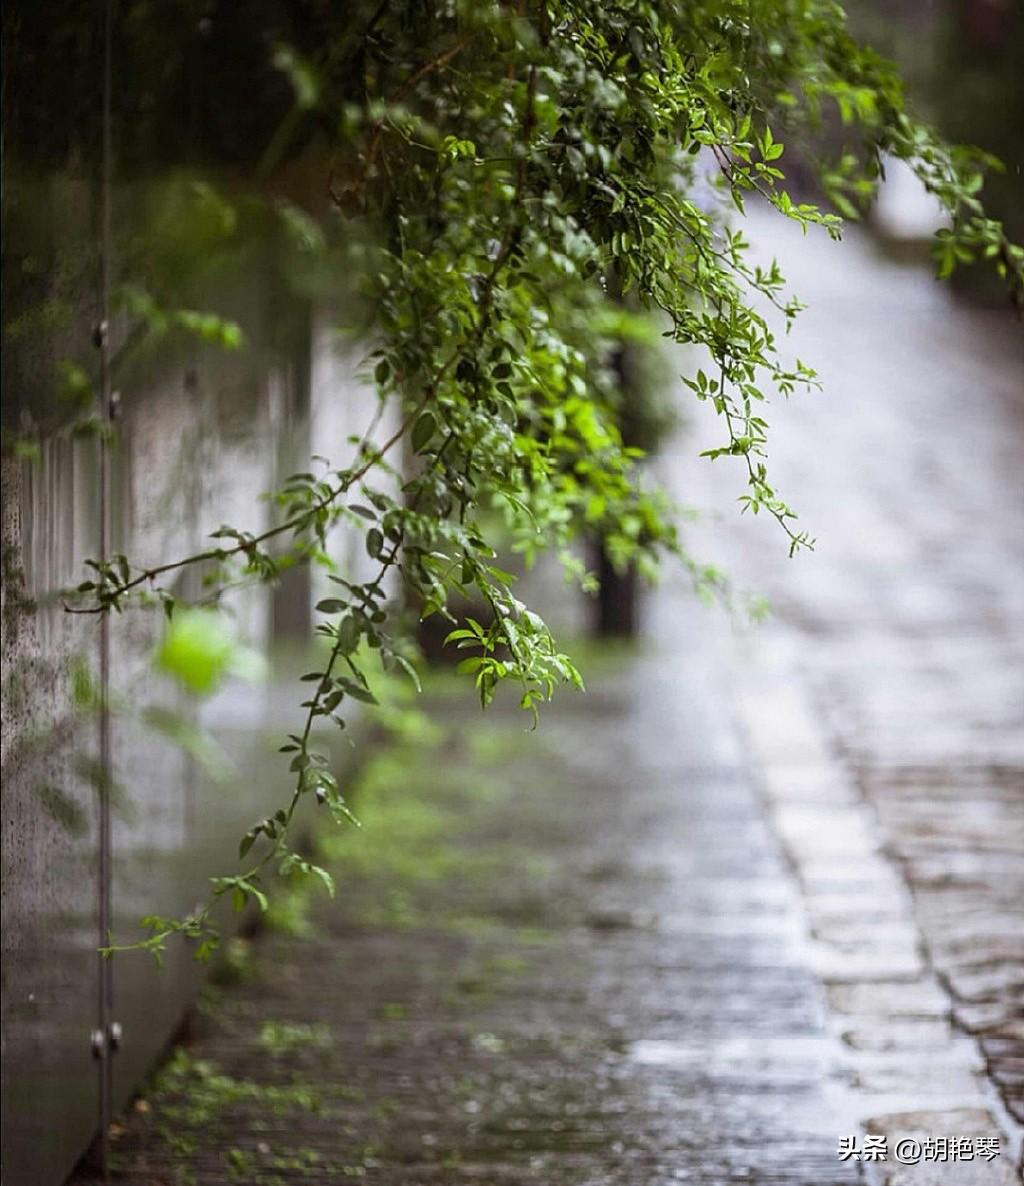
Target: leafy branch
{"type": "Point", "coordinates": [522, 184]}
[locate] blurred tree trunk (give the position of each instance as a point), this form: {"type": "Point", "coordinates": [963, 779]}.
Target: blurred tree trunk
{"type": "Point", "coordinates": [980, 92]}
{"type": "Point", "coordinates": [616, 610]}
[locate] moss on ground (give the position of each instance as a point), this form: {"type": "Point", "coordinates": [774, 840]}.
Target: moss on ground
{"type": "Point", "coordinates": [442, 857]}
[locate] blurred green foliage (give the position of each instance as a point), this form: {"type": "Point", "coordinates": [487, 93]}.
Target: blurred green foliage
{"type": "Point", "coordinates": [200, 649]}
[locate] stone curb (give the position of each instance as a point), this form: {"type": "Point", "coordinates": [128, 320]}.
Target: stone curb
{"type": "Point", "coordinates": [904, 1067]}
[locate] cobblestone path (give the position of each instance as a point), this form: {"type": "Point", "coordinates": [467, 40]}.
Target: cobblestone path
{"type": "Point", "coordinates": [885, 700]}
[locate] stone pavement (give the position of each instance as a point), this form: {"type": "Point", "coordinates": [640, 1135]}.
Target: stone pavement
{"type": "Point", "coordinates": [573, 956]}
{"type": "Point", "coordinates": [884, 702]}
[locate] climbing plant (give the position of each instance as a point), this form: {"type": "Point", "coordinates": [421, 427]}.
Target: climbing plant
{"type": "Point", "coordinates": [500, 178]}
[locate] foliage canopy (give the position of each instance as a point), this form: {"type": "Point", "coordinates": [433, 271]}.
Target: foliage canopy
{"type": "Point", "coordinates": [512, 185]}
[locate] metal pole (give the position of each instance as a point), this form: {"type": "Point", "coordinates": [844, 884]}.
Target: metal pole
{"type": "Point", "coordinates": [106, 984]}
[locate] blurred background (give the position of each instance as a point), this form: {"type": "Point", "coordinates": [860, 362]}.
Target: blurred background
{"type": "Point", "coordinates": [891, 665]}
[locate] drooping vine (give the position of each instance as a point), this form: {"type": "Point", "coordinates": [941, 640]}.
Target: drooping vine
{"type": "Point", "coordinates": [502, 179]}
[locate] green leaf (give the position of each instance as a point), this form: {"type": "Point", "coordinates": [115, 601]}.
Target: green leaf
{"type": "Point", "coordinates": [410, 671]}
{"type": "Point", "coordinates": [349, 630]}
{"type": "Point", "coordinates": [357, 692]}
{"type": "Point", "coordinates": [197, 650]}
{"type": "Point", "coordinates": [324, 876]}
{"type": "Point", "coordinates": [461, 632]}
{"type": "Point", "coordinates": [331, 605]}
{"type": "Point", "coordinates": [423, 431]}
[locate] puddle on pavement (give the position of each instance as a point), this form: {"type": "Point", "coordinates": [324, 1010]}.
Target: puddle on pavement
{"type": "Point", "coordinates": [804, 1056]}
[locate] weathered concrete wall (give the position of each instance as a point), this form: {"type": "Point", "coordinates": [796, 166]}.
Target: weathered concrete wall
{"type": "Point", "coordinates": [49, 872]}
{"type": "Point", "coordinates": [199, 439]}
{"type": "Point", "coordinates": [130, 110]}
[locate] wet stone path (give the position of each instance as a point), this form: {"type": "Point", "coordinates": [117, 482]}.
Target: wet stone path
{"type": "Point", "coordinates": [884, 701]}
{"type": "Point", "coordinates": [572, 956]}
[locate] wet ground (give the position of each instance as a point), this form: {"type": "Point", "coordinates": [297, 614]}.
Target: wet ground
{"type": "Point", "coordinates": [884, 700]}
{"type": "Point", "coordinates": [721, 911]}
{"type": "Point", "coordinates": [572, 956]}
